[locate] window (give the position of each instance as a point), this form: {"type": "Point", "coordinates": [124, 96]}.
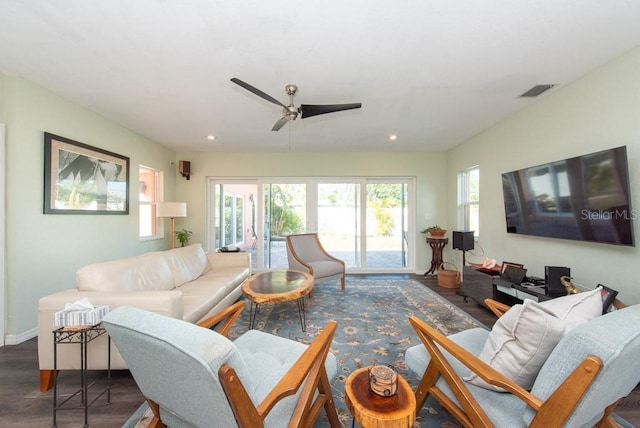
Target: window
{"type": "Point", "coordinates": [149, 189]}
{"type": "Point", "coordinates": [469, 191]}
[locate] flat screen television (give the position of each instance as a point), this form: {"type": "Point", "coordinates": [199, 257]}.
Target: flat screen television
{"type": "Point", "coordinates": [585, 198]}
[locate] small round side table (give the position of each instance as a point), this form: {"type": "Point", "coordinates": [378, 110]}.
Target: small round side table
{"type": "Point", "coordinates": [436, 244]}
{"type": "Point", "coordinates": [372, 410]}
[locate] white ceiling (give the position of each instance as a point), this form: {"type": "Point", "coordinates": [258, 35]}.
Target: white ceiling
{"type": "Point", "coordinates": [434, 72]}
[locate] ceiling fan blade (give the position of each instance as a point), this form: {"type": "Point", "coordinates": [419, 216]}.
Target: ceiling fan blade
{"type": "Point", "coordinates": [307, 110]}
{"type": "Point", "coordinates": [257, 91]}
{"type": "Point", "coordinates": [279, 124]}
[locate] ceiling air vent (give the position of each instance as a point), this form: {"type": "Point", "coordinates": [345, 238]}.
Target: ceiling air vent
{"type": "Point", "coordinates": [537, 90]}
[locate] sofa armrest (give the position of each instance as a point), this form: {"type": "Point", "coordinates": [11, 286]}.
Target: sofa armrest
{"type": "Point", "coordinates": [241, 259]}
{"type": "Point", "coordinates": [167, 303]}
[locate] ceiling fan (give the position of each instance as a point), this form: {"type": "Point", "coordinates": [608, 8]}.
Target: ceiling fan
{"type": "Point", "coordinates": [292, 112]}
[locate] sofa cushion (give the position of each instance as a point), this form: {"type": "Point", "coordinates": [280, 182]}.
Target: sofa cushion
{"type": "Point", "coordinates": [199, 296]}
{"type": "Point", "coordinates": [205, 292]}
{"type": "Point", "coordinates": [519, 344]}
{"type": "Point", "coordinates": [144, 272]}
{"type": "Point", "coordinates": [232, 276]}
{"type": "Point", "coordinates": [575, 309]}
{"type": "Point", "coordinates": [186, 263]}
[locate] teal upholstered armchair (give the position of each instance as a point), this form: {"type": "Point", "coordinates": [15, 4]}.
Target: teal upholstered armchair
{"type": "Point", "coordinates": [195, 377]}
{"type": "Point", "coordinates": [305, 253]}
{"type": "Point", "coordinates": [590, 369]}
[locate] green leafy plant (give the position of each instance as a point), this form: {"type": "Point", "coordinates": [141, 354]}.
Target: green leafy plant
{"type": "Point", "coordinates": [431, 229]}
{"type": "Point", "coordinates": [183, 236]}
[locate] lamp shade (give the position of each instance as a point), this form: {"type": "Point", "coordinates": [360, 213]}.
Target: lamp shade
{"type": "Point", "coordinates": [171, 209]}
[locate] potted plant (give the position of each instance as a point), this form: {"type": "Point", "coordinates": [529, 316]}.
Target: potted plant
{"type": "Point", "coordinates": [183, 236]}
{"type": "Point", "coordinates": [435, 231]}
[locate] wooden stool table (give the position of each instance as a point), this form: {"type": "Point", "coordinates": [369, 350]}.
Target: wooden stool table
{"type": "Point", "coordinates": [372, 410]}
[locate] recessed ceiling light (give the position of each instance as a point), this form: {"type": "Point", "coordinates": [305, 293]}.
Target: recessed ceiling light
{"type": "Point", "coordinates": [211, 137]}
{"type": "Point", "coordinates": [393, 137]}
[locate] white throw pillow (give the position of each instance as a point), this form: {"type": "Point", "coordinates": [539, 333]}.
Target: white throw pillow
{"type": "Point", "coordinates": [575, 309]}
{"type": "Point", "coordinates": [519, 344]}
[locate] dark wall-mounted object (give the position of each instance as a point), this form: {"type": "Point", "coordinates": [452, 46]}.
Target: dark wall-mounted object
{"type": "Point", "coordinates": [584, 198]}
{"type": "Point", "coordinates": [184, 167]}
{"type": "Point", "coordinates": [463, 240]}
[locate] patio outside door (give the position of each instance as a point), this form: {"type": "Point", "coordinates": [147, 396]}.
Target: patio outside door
{"type": "Point", "coordinates": [339, 221]}
{"type": "Point", "coordinates": [284, 207]}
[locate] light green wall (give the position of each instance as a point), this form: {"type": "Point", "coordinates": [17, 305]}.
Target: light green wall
{"type": "Point", "coordinates": [3, 99]}
{"type": "Point", "coordinates": [43, 252]}
{"type": "Point", "coordinates": [599, 111]}
{"type": "Point", "coordinates": [428, 169]}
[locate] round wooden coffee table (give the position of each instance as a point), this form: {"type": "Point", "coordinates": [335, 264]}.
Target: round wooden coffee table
{"type": "Point", "coordinates": [372, 410]}
{"type": "Point", "coordinates": [277, 286]}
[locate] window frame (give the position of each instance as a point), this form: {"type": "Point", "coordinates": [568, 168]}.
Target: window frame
{"type": "Point", "coordinates": [157, 227]}
{"type": "Point", "coordinates": [465, 201]}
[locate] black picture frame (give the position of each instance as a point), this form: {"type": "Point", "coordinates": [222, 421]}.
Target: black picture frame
{"type": "Point", "coordinates": [82, 179]}
{"type": "Point", "coordinates": [608, 296]}
{"type": "Point", "coordinates": [504, 265]}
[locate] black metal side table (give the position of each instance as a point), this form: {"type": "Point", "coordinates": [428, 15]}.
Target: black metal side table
{"type": "Point", "coordinates": [82, 336]}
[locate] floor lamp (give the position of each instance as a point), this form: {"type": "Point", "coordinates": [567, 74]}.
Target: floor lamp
{"type": "Point", "coordinates": [171, 210]}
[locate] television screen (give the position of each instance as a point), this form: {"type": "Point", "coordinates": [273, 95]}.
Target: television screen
{"type": "Point", "coordinates": [585, 198]}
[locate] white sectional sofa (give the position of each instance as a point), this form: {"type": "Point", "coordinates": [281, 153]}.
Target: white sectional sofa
{"type": "Point", "coordinates": [184, 283]}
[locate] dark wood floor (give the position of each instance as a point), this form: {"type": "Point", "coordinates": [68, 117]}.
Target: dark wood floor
{"type": "Point", "coordinates": [23, 405]}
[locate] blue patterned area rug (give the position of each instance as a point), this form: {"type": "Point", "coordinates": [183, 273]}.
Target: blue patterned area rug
{"type": "Point", "coordinates": [373, 327]}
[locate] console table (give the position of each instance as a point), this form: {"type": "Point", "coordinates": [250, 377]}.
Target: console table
{"type": "Point", "coordinates": [436, 244]}
{"type": "Point", "coordinates": [512, 294]}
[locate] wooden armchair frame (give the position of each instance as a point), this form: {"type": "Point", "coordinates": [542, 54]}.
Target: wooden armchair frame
{"type": "Point", "coordinates": [307, 373]}
{"type": "Point", "coordinates": [310, 367]}
{"type": "Point", "coordinates": [496, 307]}
{"type": "Point", "coordinates": [551, 412]}
{"type": "Point", "coordinates": [225, 319]}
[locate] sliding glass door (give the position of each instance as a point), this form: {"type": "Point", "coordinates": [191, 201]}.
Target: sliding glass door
{"type": "Point", "coordinates": [366, 222]}
{"type": "Point", "coordinates": [284, 209]}
{"type": "Point", "coordinates": [233, 214]}
{"type": "Point", "coordinates": [387, 221]}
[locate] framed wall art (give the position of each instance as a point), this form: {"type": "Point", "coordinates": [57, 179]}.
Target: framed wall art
{"type": "Point", "coordinates": [81, 179]}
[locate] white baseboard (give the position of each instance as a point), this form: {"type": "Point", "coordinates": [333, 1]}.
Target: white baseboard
{"type": "Point", "coordinates": [16, 339]}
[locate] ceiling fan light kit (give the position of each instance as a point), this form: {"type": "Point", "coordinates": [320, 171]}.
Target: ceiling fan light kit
{"type": "Point", "coordinates": [291, 112]}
